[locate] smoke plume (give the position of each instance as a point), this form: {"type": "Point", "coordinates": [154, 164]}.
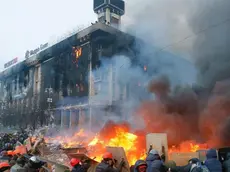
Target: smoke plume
{"type": "Point", "coordinates": [163, 95]}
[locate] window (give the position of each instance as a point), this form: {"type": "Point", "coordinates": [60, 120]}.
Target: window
{"type": "Point", "coordinates": [78, 52]}
{"type": "Point", "coordinates": [26, 78]}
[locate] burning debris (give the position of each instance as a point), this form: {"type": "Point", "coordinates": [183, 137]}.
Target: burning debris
{"type": "Point", "coordinates": [116, 135]}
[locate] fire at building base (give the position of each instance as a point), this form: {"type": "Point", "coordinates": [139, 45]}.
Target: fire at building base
{"type": "Point", "coordinates": [125, 147]}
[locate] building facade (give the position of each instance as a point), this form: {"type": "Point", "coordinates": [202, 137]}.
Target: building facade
{"type": "Point", "coordinates": [61, 82]}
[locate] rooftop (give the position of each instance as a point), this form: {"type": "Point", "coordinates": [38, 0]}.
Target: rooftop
{"type": "Point", "coordinates": [92, 30]}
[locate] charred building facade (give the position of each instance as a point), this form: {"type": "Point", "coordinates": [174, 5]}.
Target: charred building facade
{"type": "Point", "coordinates": [58, 81]}
{"type": "Point", "coordinates": [61, 83]}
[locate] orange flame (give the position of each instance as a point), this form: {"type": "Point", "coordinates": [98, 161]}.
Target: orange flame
{"type": "Point", "coordinates": [118, 136]}
{"type": "Point", "coordinates": [188, 146]}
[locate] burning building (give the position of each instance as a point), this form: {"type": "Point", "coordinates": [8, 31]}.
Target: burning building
{"type": "Point", "coordinates": [83, 78]}
{"type": "Point", "coordinates": [57, 79]}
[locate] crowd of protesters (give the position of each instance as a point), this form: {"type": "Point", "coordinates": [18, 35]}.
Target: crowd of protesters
{"type": "Point", "coordinates": [156, 163]}
{"type": "Point", "coordinates": [15, 159]}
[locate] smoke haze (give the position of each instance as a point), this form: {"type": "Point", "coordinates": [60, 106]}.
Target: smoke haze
{"type": "Point", "coordinates": [184, 29]}
{"type": "Point", "coordinates": [185, 43]}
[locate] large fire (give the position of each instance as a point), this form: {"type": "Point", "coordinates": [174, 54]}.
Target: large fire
{"type": "Point", "coordinates": [117, 135]}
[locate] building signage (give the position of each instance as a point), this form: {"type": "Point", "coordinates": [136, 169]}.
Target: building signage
{"type": "Point", "coordinates": [35, 51]}
{"type": "Point", "coordinates": [10, 63]}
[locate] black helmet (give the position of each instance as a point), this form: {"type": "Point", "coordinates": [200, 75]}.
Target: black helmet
{"type": "Point", "coordinates": [194, 161]}
{"type": "Point", "coordinates": [139, 163]}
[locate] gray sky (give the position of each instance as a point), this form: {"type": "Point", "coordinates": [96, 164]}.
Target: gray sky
{"type": "Point", "coordinates": [25, 24]}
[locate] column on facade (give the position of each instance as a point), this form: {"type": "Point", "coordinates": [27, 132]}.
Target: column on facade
{"type": "Point", "coordinates": [84, 117]}
{"type": "Point", "coordinates": [57, 117]}
{"type": "Point", "coordinates": [74, 118]}
{"type": "Point", "coordinates": [62, 119]}
{"type": "Point", "coordinates": [81, 122]}
{"type": "Point", "coordinates": [65, 119]}
{"type": "Point", "coordinates": [110, 81]}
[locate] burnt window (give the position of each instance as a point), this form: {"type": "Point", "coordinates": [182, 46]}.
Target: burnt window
{"type": "Point", "coordinates": [26, 78]}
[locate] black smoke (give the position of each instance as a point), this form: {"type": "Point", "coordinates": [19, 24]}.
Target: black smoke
{"type": "Point", "coordinates": [211, 24]}
{"type": "Point", "coordinates": [211, 53]}
{"type": "Point", "coordinates": [198, 30]}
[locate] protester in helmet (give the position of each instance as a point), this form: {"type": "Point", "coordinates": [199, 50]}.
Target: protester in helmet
{"type": "Point", "coordinates": [140, 166]}
{"type": "Point", "coordinates": [34, 164]}
{"type": "Point", "coordinates": [107, 164]}
{"type": "Point", "coordinates": [10, 153]}
{"type": "Point", "coordinates": [75, 163]}
{"type": "Point", "coordinates": [19, 166]}
{"type": "Point", "coordinates": [4, 167]}
{"type": "Point", "coordinates": [211, 162]}
{"type": "Point", "coordinates": [154, 162]}
{"type": "Point", "coordinates": [194, 165]}
{"type": "Point", "coordinates": [226, 164]}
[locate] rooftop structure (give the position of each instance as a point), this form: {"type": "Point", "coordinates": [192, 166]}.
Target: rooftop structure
{"type": "Point", "coordinates": [109, 11]}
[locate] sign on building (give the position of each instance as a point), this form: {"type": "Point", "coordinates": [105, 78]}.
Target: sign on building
{"type": "Point", "coordinates": [10, 63]}
{"type": "Point", "coordinates": [35, 51]}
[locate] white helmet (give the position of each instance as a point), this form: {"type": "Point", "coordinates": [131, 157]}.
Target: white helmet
{"type": "Point", "coordinates": [154, 152]}
{"type": "Point", "coordinates": [34, 159]}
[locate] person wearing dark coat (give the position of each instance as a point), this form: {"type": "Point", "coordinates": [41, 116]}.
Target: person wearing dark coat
{"type": "Point", "coordinates": [107, 164]}
{"type": "Point", "coordinates": [19, 166]}
{"type": "Point", "coordinates": [34, 164]}
{"type": "Point", "coordinates": [226, 164]}
{"type": "Point", "coordinates": [140, 166]}
{"type": "Point", "coordinates": [211, 162]}
{"type": "Point", "coordinates": [190, 167]}
{"type": "Point", "coordinates": [154, 162]}
{"type": "Point", "coordinates": [75, 163]}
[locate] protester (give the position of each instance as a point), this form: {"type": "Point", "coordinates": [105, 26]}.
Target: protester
{"type": "Point", "coordinates": [140, 166]}
{"type": "Point", "coordinates": [107, 164]}
{"type": "Point", "coordinates": [19, 166]}
{"type": "Point", "coordinates": [226, 164]}
{"type": "Point", "coordinates": [163, 158]}
{"type": "Point", "coordinates": [154, 162]}
{"type": "Point", "coordinates": [77, 167]}
{"type": "Point", "coordinates": [34, 164]}
{"type": "Point", "coordinates": [211, 162]}
{"type": "Point", "coordinates": [4, 167]}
